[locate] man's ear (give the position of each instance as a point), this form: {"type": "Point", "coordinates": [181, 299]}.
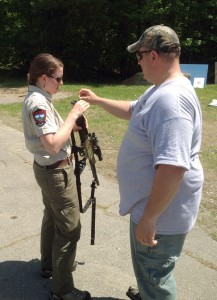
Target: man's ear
{"type": "Point", "coordinates": [154, 55]}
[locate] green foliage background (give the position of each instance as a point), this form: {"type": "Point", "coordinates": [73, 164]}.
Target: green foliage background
{"type": "Point", "coordinates": [91, 36]}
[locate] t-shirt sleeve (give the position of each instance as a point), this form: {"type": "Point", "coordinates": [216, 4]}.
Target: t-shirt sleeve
{"type": "Point", "coordinates": [172, 142]}
{"type": "Point", "coordinates": [133, 105]}
{"type": "Point", "coordinates": [171, 131]}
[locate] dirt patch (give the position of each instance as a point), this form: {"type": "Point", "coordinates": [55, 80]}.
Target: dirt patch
{"type": "Point", "coordinates": [13, 95]}
{"type": "Point", "coordinates": [136, 79]}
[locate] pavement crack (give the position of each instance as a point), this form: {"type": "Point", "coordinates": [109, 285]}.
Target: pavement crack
{"type": "Point", "coordinates": [29, 237]}
{"type": "Point", "coordinates": [201, 260]}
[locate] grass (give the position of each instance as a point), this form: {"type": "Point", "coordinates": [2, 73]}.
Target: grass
{"type": "Point", "coordinates": [110, 131]}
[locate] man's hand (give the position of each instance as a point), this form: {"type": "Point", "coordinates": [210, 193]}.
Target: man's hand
{"type": "Point", "coordinates": [88, 95]}
{"type": "Point", "coordinates": [145, 232]}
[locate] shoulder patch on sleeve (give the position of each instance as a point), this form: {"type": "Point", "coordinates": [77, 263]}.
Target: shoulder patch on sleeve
{"type": "Point", "coordinates": [39, 117]}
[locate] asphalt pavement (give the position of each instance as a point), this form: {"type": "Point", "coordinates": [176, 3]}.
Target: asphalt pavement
{"type": "Point", "coordinates": [107, 271]}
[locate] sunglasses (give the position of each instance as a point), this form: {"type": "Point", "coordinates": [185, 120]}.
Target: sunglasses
{"type": "Point", "coordinates": [139, 54]}
{"type": "Point", "coordinates": [58, 79]}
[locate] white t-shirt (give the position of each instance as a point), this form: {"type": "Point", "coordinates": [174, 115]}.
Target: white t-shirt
{"type": "Point", "coordinates": [165, 128]}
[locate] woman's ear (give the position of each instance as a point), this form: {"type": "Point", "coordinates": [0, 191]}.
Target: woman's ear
{"type": "Point", "coordinates": [44, 77]}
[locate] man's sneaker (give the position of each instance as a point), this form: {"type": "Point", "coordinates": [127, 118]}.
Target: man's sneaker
{"type": "Point", "coordinates": [75, 294]}
{"type": "Point", "coordinates": [133, 293]}
{"type": "Point", "coordinates": [48, 273]}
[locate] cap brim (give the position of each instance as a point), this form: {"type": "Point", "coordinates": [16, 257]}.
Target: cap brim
{"type": "Point", "coordinates": [134, 47]}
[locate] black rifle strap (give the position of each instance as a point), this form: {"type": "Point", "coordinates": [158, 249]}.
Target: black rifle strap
{"type": "Point", "coordinates": [75, 151]}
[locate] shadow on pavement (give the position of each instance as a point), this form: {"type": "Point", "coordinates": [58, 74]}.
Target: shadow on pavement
{"type": "Point", "coordinates": [105, 298]}
{"type": "Point", "coordinates": [20, 280]}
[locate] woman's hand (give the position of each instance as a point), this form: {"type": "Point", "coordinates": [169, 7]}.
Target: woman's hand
{"type": "Point", "coordinates": [79, 108]}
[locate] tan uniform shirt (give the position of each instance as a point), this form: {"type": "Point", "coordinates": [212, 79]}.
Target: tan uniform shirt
{"type": "Point", "coordinates": [40, 117]}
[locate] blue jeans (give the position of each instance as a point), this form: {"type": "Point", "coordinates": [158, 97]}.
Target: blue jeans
{"type": "Point", "coordinates": [153, 265]}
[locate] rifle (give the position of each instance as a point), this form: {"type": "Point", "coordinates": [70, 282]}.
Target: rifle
{"type": "Point", "coordinates": [88, 148]}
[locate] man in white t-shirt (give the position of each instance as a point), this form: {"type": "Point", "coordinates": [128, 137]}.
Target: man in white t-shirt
{"type": "Point", "coordinates": [159, 172]}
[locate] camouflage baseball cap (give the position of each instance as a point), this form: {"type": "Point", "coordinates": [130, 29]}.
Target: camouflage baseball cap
{"type": "Point", "coordinates": [158, 37]}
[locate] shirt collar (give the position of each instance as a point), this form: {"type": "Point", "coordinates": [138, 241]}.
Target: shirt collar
{"type": "Point", "coordinates": [33, 88]}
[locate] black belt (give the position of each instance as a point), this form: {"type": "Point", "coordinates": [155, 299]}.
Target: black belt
{"type": "Point", "coordinates": [58, 164]}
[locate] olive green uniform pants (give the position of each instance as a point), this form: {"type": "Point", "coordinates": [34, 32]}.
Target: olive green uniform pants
{"type": "Point", "coordinates": [61, 226]}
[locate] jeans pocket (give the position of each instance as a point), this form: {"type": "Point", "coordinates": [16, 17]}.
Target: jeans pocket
{"type": "Point", "coordinates": [156, 266]}
{"type": "Point", "coordinates": [157, 270]}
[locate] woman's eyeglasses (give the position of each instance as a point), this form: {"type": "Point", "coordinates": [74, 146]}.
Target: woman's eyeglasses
{"type": "Point", "coordinates": [139, 54]}
{"type": "Point", "coordinates": [58, 79]}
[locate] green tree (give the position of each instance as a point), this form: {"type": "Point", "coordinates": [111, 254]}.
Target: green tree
{"type": "Point", "coordinates": [91, 36]}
